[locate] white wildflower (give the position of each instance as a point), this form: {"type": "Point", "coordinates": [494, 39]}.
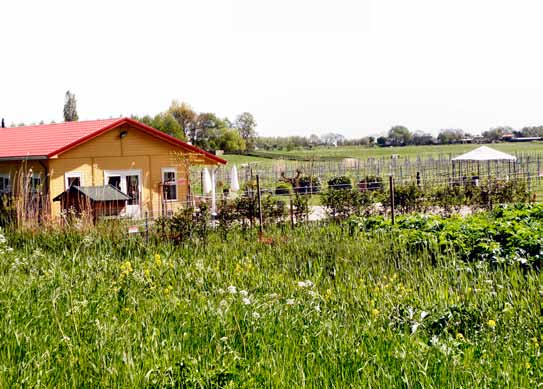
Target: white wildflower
{"type": "Point", "coordinates": [232, 289]}
{"type": "Point", "coordinates": [302, 284]}
{"type": "Point", "coordinates": [423, 314]}
{"type": "Point", "coordinates": [256, 315]}
{"type": "Point", "coordinates": [317, 308]}
{"type": "Point", "coordinates": [224, 339]}
{"type": "Point", "coordinates": [290, 301]}
{"type": "Point", "coordinates": [246, 301]}
{"type": "Point", "coordinates": [414, 327]}
{"type": "Point", "coordinates": [244, 293]}
{"type": "Point", "coordinates": [273, 295]}
{"type": "Point", "coordinates": [223, 303]}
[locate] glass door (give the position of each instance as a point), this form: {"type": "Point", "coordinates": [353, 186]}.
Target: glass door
{"type": "Point", "coordinates": [128, 182]}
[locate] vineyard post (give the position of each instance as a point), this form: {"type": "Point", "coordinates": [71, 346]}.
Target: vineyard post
{"type": "Point", "coordinates": [260, 227]}
{"type": "Point", "coordinates": [291, 211]}
{"type": "Point", "coordinates": [391, 184]}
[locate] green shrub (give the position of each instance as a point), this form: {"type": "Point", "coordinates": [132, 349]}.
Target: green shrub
{"type": "Point", "coordinates": [340, 182]}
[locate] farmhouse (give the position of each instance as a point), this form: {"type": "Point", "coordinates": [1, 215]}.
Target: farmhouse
{"type": "Point", "coordinates": [147, 165]}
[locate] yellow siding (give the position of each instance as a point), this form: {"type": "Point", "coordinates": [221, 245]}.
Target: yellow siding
{"type": "Point", "coordinates": [136, 151]}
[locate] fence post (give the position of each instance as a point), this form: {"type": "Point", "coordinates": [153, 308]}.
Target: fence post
{"type": "Point", "coordinates": [146, 226]}
{"type": "Point", "coordinates": [391, 184]}
{"type": "Point", "coordinates": [260, 227]}
{"type": "Point", "coordinates": [291, 211]}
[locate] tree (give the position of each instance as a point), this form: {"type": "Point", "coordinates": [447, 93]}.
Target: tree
{"type": "Point", "coordinates": [70, 108]}
{"type": "Point", "coordinates": [448, 136]}
{"type": "Point", "coordinates": [399, 136]}
{"type": "Point", "coordinates": [185, 116]}
{"type": "Point", "coordinates": [229, 140]}
{"type": "Point", "coordinates": [246, 124]}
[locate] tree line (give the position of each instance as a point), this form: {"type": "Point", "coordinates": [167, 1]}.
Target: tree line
{"type": "Point", "coordinates": [210, 132]}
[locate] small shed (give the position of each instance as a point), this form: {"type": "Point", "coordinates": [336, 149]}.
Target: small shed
{"type": "Point", "coordinates": [104, 200]}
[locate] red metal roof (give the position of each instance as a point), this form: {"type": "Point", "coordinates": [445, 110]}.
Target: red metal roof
{"type": "Point", "coordinates": [48, 140]}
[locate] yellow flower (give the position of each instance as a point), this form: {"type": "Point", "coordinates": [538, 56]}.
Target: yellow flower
{"type": "Point", "coordinates": [375, 312]}
{"type": "Point", "coordinates": [459, 336]}
{"type": "Point", "coordinates": [328, 293]}
{"type": "Point", "coordinates": [527, 365]}
{"type": "Point", "coordinates": [158, 261]}
{"type": "Point", "coordinates": [491, 323]}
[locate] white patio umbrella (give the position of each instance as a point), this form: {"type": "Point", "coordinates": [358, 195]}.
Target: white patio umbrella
{"type": "Point", "coordinates": [234, 183]}
{"type": "Point", "coordinates": [206, 181]}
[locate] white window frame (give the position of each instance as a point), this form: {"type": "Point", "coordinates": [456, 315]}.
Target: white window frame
{"type": "Point", "coordinates": [3, 176]}
{"type": "Point", "coordinates": [69, 175]}
{"type": "Point", "coordinates": [174, 171]}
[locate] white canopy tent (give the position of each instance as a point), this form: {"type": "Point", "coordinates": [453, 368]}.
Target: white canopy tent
{"type": "Point", "coordinates": [464, 164]}
{"type": "Point", "coordinates": [485, 153]}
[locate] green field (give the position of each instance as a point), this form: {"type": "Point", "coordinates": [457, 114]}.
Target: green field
{"type": "Point", "coordinates": [320, 306]}
{"type": "Point", "coordinates": [361, 152]}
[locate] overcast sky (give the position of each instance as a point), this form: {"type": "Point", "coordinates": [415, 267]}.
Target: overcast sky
{"type": "Point", "coordinates": [299, 66]}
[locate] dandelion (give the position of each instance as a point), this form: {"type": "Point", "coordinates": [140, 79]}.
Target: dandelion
{"type": "Point", "coordinates": [375, 312]}
{"type": "Point", "coordinates": [158, 261]}
{"type": "Point", "coordinates": [243, 293]}
{"type": "Point", "coordinates": [246, 301]}
{"type": "Point", "coordinates": [290, 301]}
{"type": "Point", "coordinates": [232, 289]}
{"type": "Point", "coordinates": [491, 323]}
{"type": "Point", "coordinates": [459, 336]}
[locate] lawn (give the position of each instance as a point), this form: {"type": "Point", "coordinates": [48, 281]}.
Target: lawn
{"type": "Point", "coordinates": [319, 306]}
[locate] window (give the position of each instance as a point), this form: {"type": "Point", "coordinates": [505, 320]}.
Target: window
{"type": "Point", "coordinates": [72, 178]}
{"type": "Point", "coordinates": [5, 184]}
{"type": "Point", "coordinates": [169, 183]}
{"type": "Point", "coordinates": [35, 184]}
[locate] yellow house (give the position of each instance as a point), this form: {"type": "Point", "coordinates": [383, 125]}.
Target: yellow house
{"type": "Point", "coordinates": [142, 162]}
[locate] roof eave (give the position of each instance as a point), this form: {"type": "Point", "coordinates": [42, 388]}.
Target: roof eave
{"type": "Point", "coordinates": [25, 158]}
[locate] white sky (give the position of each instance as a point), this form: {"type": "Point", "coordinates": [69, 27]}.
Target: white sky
{"type": "Point", "coordinates": [300, 66]}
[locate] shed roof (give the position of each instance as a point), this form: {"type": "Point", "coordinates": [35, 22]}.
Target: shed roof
{"type": "Point", "coordinates": [97, 193]}
{"type": "Point", "coordinates": [485, 153]}
{"type": "Point", "coordinates": [49, 140]}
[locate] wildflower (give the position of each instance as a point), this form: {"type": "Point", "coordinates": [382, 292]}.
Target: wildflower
{"type": "Point", "coordinates": [273, 295]}
{"type": "Point", "coordinates": [243, 293]}
{"type": "Point", "coordinates": [290, 301]}
{"type": "Point", "coordinates": [256, 315]}
{"type": "Point", "coordinates": [168, 289]}
{"type": "Point", "coordinates": [158, 261]}
{"type": "Point", "coordinates": [375, 312]}
{"type": "Point", "coordinates": [491, 323]}
{"type": "Point", "coordinates": [328, 292]}
{"type": "Point", "coordinates": [224, 339]}
{"type": "Point", "coordinates": [232, 289]}
{"type": "Point", "coordinates": [459, 336]}
{"type": "Point", "coordinates": [223, 303]}
{"type": "Point", "coordinates": [317, 308]}
{"type": "Point", "coordinates": [423, 314]}
{"type": "Point", "coordinates": [246, 301]}
{"type": "Point", "coordinates": [527, 365]}
{"type": "Point", "coordinates": [302, 284]}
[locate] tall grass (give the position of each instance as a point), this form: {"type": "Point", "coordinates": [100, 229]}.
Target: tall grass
{"type": "Point", "coordinates": [316, 307]}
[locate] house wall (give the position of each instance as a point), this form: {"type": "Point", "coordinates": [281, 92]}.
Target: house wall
{"type": "Point", "coordinates": [16, 168]}
{"type": "Point", "coordinates": [137, 151]}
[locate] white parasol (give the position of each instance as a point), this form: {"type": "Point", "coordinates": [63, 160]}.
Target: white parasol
{"type": "Point", "coordinates": [234, 183]}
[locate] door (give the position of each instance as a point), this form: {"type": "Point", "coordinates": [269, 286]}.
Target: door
{"type": "Point", "coordinates": [129, 182]}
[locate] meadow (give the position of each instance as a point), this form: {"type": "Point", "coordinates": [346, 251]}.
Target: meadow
{"type": "Point", "coordinates": [355, 304]}
{"type": "Point", "coordinates": [364, 152]}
